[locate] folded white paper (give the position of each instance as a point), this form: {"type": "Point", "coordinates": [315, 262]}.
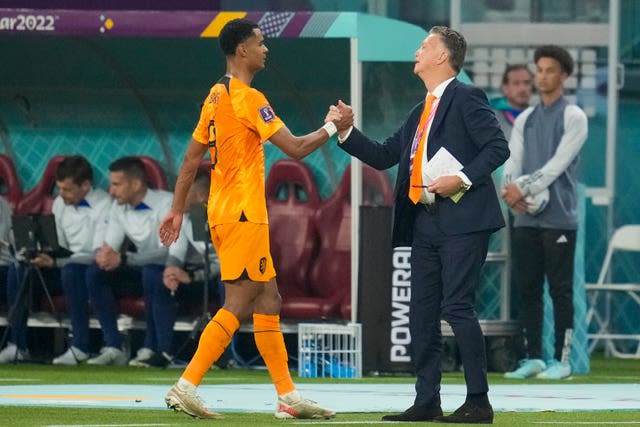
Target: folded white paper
{"type": "Point", "coordinates": [442, 163]}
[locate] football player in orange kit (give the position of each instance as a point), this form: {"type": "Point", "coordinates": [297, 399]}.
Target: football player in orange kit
{"type": "Point", "coordinates": [235, 121]}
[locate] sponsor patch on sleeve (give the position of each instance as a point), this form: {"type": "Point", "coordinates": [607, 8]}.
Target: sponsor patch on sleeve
{"type": "Point", "coordinates": [267, 113]}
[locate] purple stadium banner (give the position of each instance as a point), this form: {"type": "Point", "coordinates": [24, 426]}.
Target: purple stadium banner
{"type": "Point", "coordinates": [145, 23]}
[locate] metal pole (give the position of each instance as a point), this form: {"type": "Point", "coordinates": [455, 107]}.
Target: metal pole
{"type": "Point", "coordinates": [612, 108]}
{"type": "Point", "coordinates": [356, 176]}
{"type": "Point", "coordinates": [455, 15]}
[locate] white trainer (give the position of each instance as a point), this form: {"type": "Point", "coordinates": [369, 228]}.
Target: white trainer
{"type": "Point", "coordinates": [292, 405]}
{"type": "Point", "coordinates": [109, 356]}
{"type": "Point", "coordinates": [142, 354]}
{"type": "Point", "coordinates": [556, 370]}
{"type": "Point", "coordinates": [71, 357]}
{"type": "Point", "coordinates": [183, 398]}
{"type": "Point", "coordinates": [11, 354]}
{"type": "Point", "coordinates": [528, 368]}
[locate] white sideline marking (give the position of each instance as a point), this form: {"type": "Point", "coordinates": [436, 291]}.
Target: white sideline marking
{"type": "Point", "coordinates": [586, 422]}
{"type": "Point", "coordinates": [18, 379]}
{"type": "Point", "coordinates": [174, 378]}
{"type": "Point", "coordinates": [338, 422]}
{"type": "Point", "coordinates": [340, 397]}
{"type": "Point", "coordinates": [628, 378]}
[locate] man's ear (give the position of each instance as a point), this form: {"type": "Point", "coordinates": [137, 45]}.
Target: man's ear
{"type": "Point", "coordinates": [86, 186]}
{"type": "Point", "coordinates": [241, 50]}
{"type": "Point", "coordinates": [137, 184]}
{"type": "Point", "coordinates": [444, 57]}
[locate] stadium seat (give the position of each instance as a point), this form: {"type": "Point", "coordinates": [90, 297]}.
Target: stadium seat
{"type": "Point", "coordinates": [39, 199]}
{"type": "Point", "coordinates": [131, 306]}
{"type": "Point", "coordinates": [330, 277]}
{"type": "Point", "coordinates": [603, 307]}
{"type": "Point", "coordinates": [292, 200]}
{"type": "Point", "coordinates": [10, 187]}
{"type": "Point", "coordinates": [376, 187]}
{"type": "Point", "coordinates": [155, 173]}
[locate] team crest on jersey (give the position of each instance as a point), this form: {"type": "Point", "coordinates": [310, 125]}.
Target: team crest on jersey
{"type": "Point", "coordinates": [263, 265]}
{"type": "Point", "coordinates": [267, 113]}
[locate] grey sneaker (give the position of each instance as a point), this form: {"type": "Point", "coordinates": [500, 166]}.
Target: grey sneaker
{"type": "Point", "coordinates": [11, 354]}
{"type": "Point", "coordinates": [143, 354]}
{"type": "Point", "coordinates": [291, 405]}
{"type": "Point", "coordinates": [71, 357]}
{"type": "Point", "coordinates": [183, 398]}
{"type": "Point", "coordinates": [109, 356]}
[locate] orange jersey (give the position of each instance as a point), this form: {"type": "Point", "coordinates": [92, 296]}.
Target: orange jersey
{"type": "Point", "coordinates": [235, 121]}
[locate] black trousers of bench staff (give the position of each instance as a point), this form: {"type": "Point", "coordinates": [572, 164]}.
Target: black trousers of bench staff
{"type": "Point", "coordinates": [539, 253]}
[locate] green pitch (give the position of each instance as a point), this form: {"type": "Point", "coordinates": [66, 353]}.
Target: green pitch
{"type": "Point", "coordinates": [41, 417]}
{"type": "Point", "coordinates": [603, 371]}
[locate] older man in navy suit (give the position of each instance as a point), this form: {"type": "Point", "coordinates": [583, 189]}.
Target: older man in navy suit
{"type": "Point", "coordinates": [446, 219]}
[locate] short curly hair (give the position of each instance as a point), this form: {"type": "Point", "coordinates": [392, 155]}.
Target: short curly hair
{"type": "Point", "coordinates": [558, 53]}
{"type": "Point", "coordinates": [235, 32]}
{"type": "Point", "coordinates": [75, 167]}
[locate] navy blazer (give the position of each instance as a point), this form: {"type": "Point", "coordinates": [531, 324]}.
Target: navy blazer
{"type": "Point", "coordinates": [466, 126]}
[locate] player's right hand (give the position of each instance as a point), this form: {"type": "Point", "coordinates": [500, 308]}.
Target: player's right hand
{"type": "Point", "coordinates": [170, 227]}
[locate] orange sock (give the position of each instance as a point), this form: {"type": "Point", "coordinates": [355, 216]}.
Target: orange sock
{"type": "Point", "coordinates": [270, 343]}
{"type": "Point", "coordinates": [214, 339]}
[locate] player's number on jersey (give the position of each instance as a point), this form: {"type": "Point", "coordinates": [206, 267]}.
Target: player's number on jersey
{"type": "Point", "coordinates": [213, 148]}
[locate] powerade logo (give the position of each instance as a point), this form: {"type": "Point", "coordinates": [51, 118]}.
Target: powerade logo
{"type": "Point", "coordinates": [400, 298]}
{"type": "Point", "coordinates": [27, 22]}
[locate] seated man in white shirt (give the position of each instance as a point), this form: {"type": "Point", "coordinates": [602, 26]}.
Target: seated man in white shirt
{"type": "Point", "coordinates": [80, 212]}
{"type": "Point", "coordinates": [136, 215]}
{"type": "Point", "coordinates": [185, 263]}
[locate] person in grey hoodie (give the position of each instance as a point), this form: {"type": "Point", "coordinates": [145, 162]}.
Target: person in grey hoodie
{"type": "Point", "coordinates": [544, 145]}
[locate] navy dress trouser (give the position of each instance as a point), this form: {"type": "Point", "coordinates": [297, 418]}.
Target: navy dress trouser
{"type": "Point", "coordinates": [445, 272]}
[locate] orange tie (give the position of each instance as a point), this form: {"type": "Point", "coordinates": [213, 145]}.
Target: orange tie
{"type": "Point", "coordinates": [415, 183]}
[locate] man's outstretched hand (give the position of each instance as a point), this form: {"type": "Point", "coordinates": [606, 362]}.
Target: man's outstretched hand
{"type": "Point", "coordinates": [347, 118]}
{"type": "Point", "coordinates": [170, 227]}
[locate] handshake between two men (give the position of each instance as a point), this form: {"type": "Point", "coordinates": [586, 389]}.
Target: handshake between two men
{"type": "Point", "coordinates": [342, 117]}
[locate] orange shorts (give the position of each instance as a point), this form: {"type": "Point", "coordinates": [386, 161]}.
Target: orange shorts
{"type": "Point", "coordinates": [243, 247]}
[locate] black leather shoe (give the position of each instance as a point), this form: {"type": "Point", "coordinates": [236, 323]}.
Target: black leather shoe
{"type": "Point", "coordinates": [469, 413]}
{"type": "Point", "coordinates": [416, 413]}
